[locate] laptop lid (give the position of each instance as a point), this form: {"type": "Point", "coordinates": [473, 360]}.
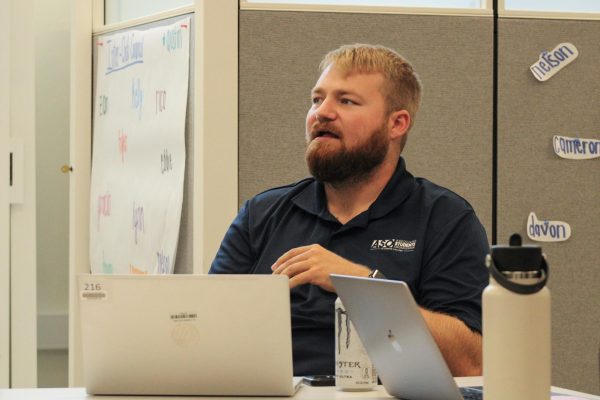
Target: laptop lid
{"type": "Point", "coordinates": [397, 339]}
{"type": "Point", "coordinates": [186, 334]}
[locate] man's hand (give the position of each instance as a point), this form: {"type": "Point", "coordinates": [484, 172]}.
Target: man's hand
{"type": "Point", "coordinates": [313, 264]}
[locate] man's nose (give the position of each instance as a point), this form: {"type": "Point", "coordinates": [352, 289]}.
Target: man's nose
{"type": "Point", "coordinates": [326, 111]}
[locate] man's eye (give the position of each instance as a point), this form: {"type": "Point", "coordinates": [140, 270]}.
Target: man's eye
{"type": "Point", "coordinates": [347, 101]}
{"type": "Point", "coordinates": [316, 100]}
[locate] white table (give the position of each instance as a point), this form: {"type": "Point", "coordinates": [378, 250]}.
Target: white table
{"type": "Point", "coordinates": [304, 393]}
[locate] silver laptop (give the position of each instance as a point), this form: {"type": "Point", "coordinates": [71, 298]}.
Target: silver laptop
{"type": "Point", "coordinates": [186, 335]}
{"type": "Point", "coordinates": [398, 341]}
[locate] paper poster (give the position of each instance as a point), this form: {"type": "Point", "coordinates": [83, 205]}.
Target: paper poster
{"type": "Point", "coordinates": [138, 158]}
{"type": "Point", "coordinates": [547, 231]}
{"type": "Point", "coordinates": [550, 62]}
{"type": "Point", "coordinates": [576, 148]}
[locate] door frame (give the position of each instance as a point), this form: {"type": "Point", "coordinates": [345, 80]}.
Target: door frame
{"type": "Point", "coordinates": [4, 197]}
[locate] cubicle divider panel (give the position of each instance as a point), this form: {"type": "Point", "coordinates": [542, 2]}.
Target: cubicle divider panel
{"type": "Point", "coordinates": [532, 178]}
{"type": "Point", "coordinates": [184, 255]}
{"type": "Point", "coordinates": [451, 142]}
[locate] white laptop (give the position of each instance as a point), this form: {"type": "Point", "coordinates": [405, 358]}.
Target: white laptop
{"type": "Point", "coordinates": [186, 335]}
{"type": "Point", "coordinates": [387, 319]}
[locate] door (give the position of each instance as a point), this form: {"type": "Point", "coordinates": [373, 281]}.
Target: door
{"type": "Point", "coordinates": [17, 196]}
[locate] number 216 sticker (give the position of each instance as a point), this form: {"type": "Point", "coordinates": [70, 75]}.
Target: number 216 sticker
{"type": "Point", "coordinates": [93, 291]}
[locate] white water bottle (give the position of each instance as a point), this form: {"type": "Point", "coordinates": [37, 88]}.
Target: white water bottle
{"type": "Point", "coordinates": [354, 370]}
{"type": "Point", "coordinates": [516, 324]}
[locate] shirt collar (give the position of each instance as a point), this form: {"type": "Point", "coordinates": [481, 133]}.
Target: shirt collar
{"type": "Point", "coordinates": [312, 198]}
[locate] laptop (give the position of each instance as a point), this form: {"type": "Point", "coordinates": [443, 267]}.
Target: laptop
{"type": "Point", "coordinates": [186, 335]}
{"type": "Point", "coordinates": [397, 339]}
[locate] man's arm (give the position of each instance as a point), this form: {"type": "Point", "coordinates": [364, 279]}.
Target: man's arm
{"type": "Point", "coordinates": [460, 346]}
{"type": "Point", "coordinates": [313, 264]}
{"type": "Point", "coordinates": [235, 254]}
{"type": "Point", "coordinates": [453, 277]}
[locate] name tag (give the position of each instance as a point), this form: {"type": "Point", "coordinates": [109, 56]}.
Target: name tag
{"type": "Point", "coordinates": [550, 62]}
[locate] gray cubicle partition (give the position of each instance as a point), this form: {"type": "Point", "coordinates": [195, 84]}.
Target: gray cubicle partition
{"type": "Point", "coordinates": [533, 178]}
{"type": "Point", "coordinates": [451, 142]}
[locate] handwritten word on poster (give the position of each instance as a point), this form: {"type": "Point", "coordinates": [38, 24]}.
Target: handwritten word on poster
{"type": "Point", "coordinates": [138, 156]}
{"type": "Point", "coordinates": [550, 62]}
{"type": "Point", "coordinates": [576, 148]}
{"type": "Point", "coordinates": [547, 231]}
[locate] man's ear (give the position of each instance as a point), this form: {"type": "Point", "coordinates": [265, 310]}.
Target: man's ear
{"type": "Point", "coordinates": [399, 122]}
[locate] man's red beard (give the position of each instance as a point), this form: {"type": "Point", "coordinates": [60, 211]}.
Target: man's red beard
{"type": "Point", "coordinates": [334, 163]}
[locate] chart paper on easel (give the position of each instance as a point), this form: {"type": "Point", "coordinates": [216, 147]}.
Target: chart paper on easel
{"type": "Point", "coordinates": [138, 156]}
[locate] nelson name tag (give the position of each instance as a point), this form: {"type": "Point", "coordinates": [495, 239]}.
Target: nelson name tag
{"type": "Point", "coordinates": [550, 62]}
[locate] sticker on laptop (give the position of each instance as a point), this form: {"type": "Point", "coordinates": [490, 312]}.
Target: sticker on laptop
{"type": "Point", "coordinates": [550, 62]}
{"type": "Point", "coordinates": [547, 231]}
{"type": "Point", "coordinates": [184, 316]}
{"type": "Point", "coordinates": [93, 291]}
{"type": "Point", "coordinates": [576, 148]}
{"type": "Point", "coordinates": [185, 333]}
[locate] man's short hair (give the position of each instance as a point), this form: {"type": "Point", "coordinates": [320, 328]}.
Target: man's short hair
{"type": "Point", "coordinates": [402, 86]}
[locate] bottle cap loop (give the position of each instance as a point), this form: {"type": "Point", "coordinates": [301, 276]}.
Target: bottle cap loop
{"type": "Point", "coordinates": [518, 287]}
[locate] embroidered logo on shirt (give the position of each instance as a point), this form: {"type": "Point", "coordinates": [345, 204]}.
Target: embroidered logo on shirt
{"type": "Point", "coordinates": [394, 244]}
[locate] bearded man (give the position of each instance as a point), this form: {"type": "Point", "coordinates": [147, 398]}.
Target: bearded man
{"type": "Point", "coordinates": [362, 213]}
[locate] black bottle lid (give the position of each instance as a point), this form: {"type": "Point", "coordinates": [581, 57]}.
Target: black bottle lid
{"type": "Point", "coordinates": [517, 257]}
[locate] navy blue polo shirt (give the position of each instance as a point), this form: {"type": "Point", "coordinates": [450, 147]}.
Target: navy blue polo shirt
{"type": "Point", "coordinates": [415, 231]}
